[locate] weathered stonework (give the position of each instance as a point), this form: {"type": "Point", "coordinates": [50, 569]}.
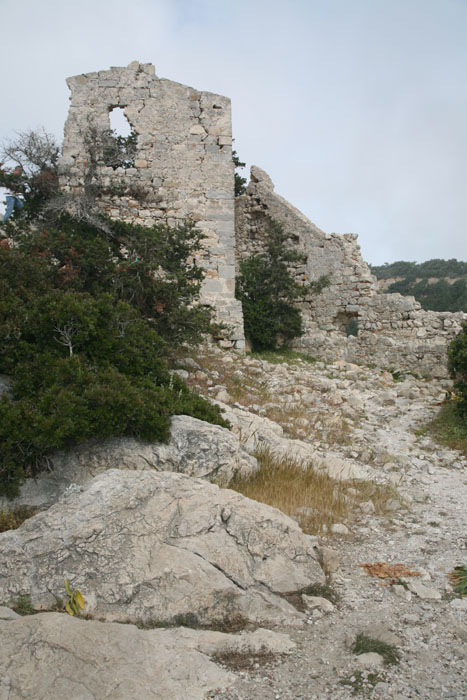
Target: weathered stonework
{"type": "Point", "coordinates": [183, 167]}
{"type": "Point", "coordinates": [393, 330]}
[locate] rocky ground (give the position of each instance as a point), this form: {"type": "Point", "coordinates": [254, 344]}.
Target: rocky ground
{"type": "Point", "coordinates": [145, 544]}
{"type": "Point", "coordinates": [364, 415]}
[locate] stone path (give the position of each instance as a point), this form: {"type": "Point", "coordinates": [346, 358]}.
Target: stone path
{"type": "Point", "coordinates": [363, 415]}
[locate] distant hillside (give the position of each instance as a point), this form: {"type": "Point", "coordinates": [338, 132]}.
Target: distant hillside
{"type": "Point", "coordinates": [439, 285]}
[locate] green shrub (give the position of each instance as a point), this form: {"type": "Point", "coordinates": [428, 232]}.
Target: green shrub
{"type": "Point", "coordinates": [269, 292]}
{"type": "Point", "coordinates": [87, 321]}
{"type": "Point", "coordinates": [457, 365]}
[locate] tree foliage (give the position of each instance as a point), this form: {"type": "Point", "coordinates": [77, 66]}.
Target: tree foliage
{"type": "Point", "coordinates": [240, 182]}
{"type": "Point", "coordinates": [457, 365]}
{"type": "Point", "coordinates": [87, 321]}
{"type": "Point", "coordinates": [413, 270]}
{"type": "Point", "coordinates": [36, 153]}
{"type": "Point", "coordinates": [429, 282]}
{"type": "Point", "coordinates": [268, 292]}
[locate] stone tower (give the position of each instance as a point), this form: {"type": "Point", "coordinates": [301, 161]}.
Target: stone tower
{"type": "Point", "coordinates": [182, 168]}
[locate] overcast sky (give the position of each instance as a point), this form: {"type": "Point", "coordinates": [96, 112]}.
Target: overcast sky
{"type": "Point", "coordinates": [357, 109]}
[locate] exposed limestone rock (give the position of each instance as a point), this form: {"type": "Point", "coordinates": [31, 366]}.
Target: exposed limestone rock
{"type": "Point", "coordinates": [323, 604]}
{"type": "Point", "coordinates": [257, 433]}
{"type": "Point", "coordinates": [196, 448]}
{"type": "Point", "coordinates": [153, 546]}
{"type": "Point", "coordinates": [370, 659]}
{"type": "Point", "coordinates": [422, 591]}
{"type": "Point", "coordinates": [54, 656]}
{"type": "Point", "coordinates": [7, 613]}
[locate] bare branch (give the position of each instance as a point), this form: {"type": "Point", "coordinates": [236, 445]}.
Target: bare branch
{"type": "Point", "coordinates": [66, 333]}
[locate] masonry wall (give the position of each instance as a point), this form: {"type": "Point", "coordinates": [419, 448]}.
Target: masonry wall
{"type": "Point", "coordinates": [393, 331]}
{"type": "Point", "coordinates": [183, 166]}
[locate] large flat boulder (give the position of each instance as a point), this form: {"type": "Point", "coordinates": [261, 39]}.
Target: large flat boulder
{"type": "Point", "coordinates": [53, 656]}
{"type": "Point", "coordinates": [195, 448]}
{"type": "Point", "coordinates": [148, 546]}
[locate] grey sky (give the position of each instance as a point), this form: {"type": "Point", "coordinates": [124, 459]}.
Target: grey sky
{"type": "Point", "coordinates": [356, 108]}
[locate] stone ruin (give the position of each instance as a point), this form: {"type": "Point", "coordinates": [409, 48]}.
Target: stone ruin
{"type": "Point", "coordinates": [393, 331]}
{"type": "Point", "coordinates": [183, 169]}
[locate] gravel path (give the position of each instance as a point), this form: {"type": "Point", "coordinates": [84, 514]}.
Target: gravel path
{"type": "Point", "coordinates": [428, 625]}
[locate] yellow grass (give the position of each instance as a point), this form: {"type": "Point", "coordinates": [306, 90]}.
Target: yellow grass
{"type": "Point", "coordinates": [312, 497]}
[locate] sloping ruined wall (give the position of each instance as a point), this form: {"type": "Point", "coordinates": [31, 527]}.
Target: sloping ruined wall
{"type": "Point", "coordinates": [183, 166]}
{"type": "Point", "coordinates": [393, 331]}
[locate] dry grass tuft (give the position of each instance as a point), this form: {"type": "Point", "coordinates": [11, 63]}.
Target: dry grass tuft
{"type": "Point", "coordinates": [312, 497]}
{"type": "Point", "coordinates": [247, 660]}
{"type": "Point", "coordinates": [14, 517]}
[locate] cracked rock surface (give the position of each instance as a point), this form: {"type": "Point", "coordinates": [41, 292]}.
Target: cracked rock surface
{"type": "Point", "coordinates": [53, 656]}
{"type": "Point", "coordinates": [195, 448]}
{"type": "Point", "coordinates": [150, 547]}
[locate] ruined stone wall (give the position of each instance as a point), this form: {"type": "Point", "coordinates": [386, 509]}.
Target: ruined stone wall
{"type": "Point", "coordinates": [182, 170]}
{"type": "Point", "coordinates": [393, 331]}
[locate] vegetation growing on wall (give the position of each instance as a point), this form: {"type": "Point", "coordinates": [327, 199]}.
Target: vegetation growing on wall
{"type": "Point", "coordinates": [269, 293]}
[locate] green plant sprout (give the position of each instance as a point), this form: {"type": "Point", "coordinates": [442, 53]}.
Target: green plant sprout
{"type": "Point", "coordinates": [75, 602]}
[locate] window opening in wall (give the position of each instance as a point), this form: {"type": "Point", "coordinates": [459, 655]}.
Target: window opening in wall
{"type": "Point", "coordinates": [119, 123]}
{"type": "Point", "coordinates": [119, 142]}
{"type": "Point", "coordinates": [347, 323]}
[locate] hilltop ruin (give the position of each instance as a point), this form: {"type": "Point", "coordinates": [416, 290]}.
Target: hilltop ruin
{"type": "Point", "coordinates": [183, 169]}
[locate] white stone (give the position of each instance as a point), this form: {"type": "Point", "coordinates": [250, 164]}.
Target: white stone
{"type": "Point", "coordinates": [370, 659]}
{"type": "Point", "coordinates": [7, 613]}
{"type": "Point", "coordinates": [339, 529]}
{"type": "Point", "coordinates": [423, 591]}
{"type": "Point", "coordinates": [318, 602]}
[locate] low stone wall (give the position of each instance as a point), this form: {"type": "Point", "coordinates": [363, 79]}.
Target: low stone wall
{"type": "Point", "coordinates": [393, 331]}
{"type": "Point", "coordinates": [182, 170]}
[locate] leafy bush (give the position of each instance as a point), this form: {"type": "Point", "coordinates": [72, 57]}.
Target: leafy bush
{"type": "Point", "coordinates": [87, 321]}
{"type": "Point", "coordinates": [36, 153]}
{"type": "Point", "coordinates": [268, 292]}
{"type": "Point", "coordinates": [457, 365]}
{"type": "Point", "coordinates": [458, 579]}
